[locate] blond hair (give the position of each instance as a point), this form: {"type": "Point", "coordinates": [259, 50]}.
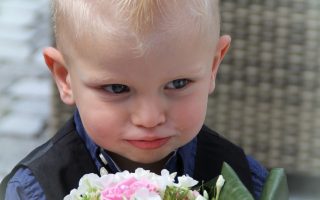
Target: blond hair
{"type": "Point", "coordinates": [85, 17]}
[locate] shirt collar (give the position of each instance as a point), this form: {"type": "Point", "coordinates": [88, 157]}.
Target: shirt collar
{"type": "Point", "coordinates": [182, 160]}
{"type": "Point", "coordinates": [90, 145]}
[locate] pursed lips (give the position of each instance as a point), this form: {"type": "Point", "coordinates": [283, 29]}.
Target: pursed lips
{"type": "Point", "coordinates": [149, 143]}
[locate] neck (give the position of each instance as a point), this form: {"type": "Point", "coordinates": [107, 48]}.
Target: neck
{"type": "Point", "coordinates": [131, 166]}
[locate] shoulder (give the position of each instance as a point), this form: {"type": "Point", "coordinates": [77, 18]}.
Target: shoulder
{"type": "Point", "coordinates": [49, 149]}
{"type": "Point", "coordinates": [43, 164]}
{"type": "Point", "coordinates": [224, 150]}
{"type": "Point", "coordinates": [212, 141]}
{"type": "Point", "coordinates": [23, 185]}
{"type": "Point", "coordinates": [212, 150]}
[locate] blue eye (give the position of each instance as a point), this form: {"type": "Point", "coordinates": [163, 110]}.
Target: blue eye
{"type": "Point", "coordinates": [177, 84]}
{"type": "Point", "coordinates": [116, 88]}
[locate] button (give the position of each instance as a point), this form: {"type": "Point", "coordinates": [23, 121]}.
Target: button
{"type": "Point", "coordinates": [103, 171]}
{"type": "Point", "coordinates": [103, 159]}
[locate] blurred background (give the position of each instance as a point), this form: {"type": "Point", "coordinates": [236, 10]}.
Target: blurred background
{"type": "Point", "coordinates": [25, 83]}
{"type": "Point", "coordinates": [267, 96]}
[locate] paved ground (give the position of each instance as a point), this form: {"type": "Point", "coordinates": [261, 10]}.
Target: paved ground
{"type": "Point", "coordinates": [25, 87]}
{"type": "Point", "coordinates": [25, 84]}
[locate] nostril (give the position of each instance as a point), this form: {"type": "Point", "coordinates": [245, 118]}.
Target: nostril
{"type": "Point", "coordinates": [148, 112]}
{"type": "Point", "coordinates": [148, 121]}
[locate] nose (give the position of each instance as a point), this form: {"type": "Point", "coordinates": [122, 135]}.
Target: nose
{"type": "Point", "coordinates": [148, 113]}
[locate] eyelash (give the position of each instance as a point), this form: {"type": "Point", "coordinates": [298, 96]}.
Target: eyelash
{"type": "Point", "coordinates": [118, 89]}
{"type": "Point", "coordinates": [183, 83]}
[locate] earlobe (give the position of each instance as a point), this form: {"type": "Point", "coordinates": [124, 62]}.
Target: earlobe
{"type": "Point", "coordinates": [221, 50]}
{"type": "Point", "coordinates": [60, 73]}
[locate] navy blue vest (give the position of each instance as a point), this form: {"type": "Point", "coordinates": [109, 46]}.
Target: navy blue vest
{"type": "Point", "coordinates": [59, 164]}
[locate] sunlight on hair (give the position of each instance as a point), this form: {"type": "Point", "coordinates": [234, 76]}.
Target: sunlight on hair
{"type": "Point", "coordinates": [113, 19]}
{"type": "Point", "coordinates": [141, 13]}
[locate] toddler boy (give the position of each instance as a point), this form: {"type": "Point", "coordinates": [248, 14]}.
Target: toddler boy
{"type": "Point", "coordinates": [139, 72]}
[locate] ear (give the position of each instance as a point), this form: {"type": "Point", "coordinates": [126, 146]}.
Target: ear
{"type": "Point", "coordinates": [221, 50]}
{"type": "Point", "coordinates": [60, 73]}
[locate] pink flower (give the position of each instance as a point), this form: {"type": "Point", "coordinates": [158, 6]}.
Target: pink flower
{"type": "Point", "coordinates": [127, 189]}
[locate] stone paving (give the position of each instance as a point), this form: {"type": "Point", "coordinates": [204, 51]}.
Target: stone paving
{"type": "Point", "coordinates": [25, 84]}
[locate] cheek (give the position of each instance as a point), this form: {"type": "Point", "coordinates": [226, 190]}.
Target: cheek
{"type": "Point", "coordinates": [103, 123]}
{"type": "Point", "coordinates": [189, 116]}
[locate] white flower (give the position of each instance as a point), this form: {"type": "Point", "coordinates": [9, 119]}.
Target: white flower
{"type": "Point", "coordinates": [219, 185]}
{"type": "Point", "coordinates": [205, 194]}
{"type": "Point", "coordinates": [220, 182]}
{"type": "Point", "coordinates": [163, 180]}
{"type": "Point", "coordinates": [201, 198]}
{"type": "Point", "coordinates": [144, 194]}
{"type": "Point", "coordinates": [89, 184]}
{"type": "Point", "coordinates": [142, 185]}
{"type": "Point", "coordinates": [197, 196]}
{"type": "Point", "coordinates": [186, 181]}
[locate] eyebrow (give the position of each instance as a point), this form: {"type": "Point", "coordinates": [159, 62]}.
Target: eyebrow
{"type": "Point", "coordinates": [105, 78]}
{"type": "Point", "coordinates": [198, 69]}
{"type": "Point", "coordinates": [96, 80]}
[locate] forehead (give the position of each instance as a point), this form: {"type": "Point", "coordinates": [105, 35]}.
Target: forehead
{"type": "Point", "coordinates": [168, 48]}
{"type": "Point", "coordinates": [171, 58]}
{"type": "Point", "coordinates": [104, 48]}
{"type": "Point", "coordinates": [89, 23]}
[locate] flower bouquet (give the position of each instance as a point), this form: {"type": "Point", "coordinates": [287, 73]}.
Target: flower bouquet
{"type": "Point", "coordinates": [145, 185]}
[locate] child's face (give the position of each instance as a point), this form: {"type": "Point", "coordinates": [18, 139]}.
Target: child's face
{"type": "Point", "coordinates": [143, 107]}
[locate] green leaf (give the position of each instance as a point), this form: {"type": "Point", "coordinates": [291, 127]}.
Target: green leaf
{"type": "Point", "coordinates": [175, 193]}
{"type": "Point", "coordinates": [207, 186]}
{"type": "Point", "coordinates": [275, 187]}
{"type": "Point", "coordinates": [233, 188]}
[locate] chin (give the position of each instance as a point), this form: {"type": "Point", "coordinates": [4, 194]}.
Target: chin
{"type": "Point", "coordinates": [144, 159]}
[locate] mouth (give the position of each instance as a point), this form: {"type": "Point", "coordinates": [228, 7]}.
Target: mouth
{"type": "Point", "coordinates": [149, 144]}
